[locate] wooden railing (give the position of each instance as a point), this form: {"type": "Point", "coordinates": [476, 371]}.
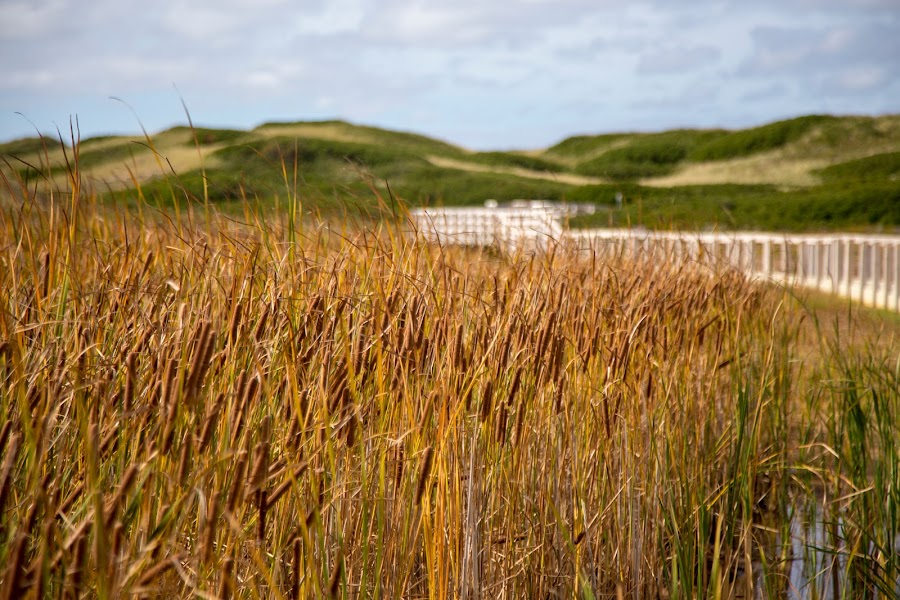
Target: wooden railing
{"type": "Point", "coordinates": [865, 268]}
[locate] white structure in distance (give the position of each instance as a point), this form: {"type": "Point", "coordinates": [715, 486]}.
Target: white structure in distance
{"type": "Point", "coordinates": [865, 268]}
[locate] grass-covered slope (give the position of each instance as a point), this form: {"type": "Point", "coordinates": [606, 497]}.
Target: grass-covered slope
{"type": "Point", "coordinates": [808, 173]}
{"type": "Point", "coordinates": [884, 166]}
{"type": "Point", "coordinates": [646, 155]}
{"type": "Point", "coordinates": [758, 139]}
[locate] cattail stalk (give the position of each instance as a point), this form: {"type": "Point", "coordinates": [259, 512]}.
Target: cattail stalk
{"type": "Point", "coordinates": [423, 476]}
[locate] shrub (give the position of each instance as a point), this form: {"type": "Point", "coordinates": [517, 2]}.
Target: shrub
{"type": "Point", "coordinates": [758, 139]}
{"type": "Point", "coordinates": [879, 166]}
{"type": "Point", "coordinates": [646, 155]}
{"type": "Point", "coordinates": [511, 159]}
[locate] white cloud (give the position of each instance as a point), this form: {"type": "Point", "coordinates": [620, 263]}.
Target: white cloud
{"type": "Point", "coordinates": [27, 79]}
{"type": "Point", "coordinates": [678, 59]}
{"type": "Point", "coordinates": [861, 79]}
{"type": "Point", "coordinates": [22, 20]}
{"type": "Point", "coordinates": [475, 67]}
{"type": "Point", "coordinates": [336, 16]}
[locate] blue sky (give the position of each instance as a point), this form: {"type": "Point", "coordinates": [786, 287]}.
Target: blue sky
{"type": "Point", "coordinates": [481, 73]}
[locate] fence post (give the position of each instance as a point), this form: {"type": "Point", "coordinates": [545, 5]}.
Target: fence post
{"type": "Point", "coordinates": [815, 259]}
{"type": "Point", "coordinates": [834, 268]}
{"type": "Point", "coordinates": [861, 259]}
{"type": "Point", "coordinates": [785, 259]}
{"type": "Point", "coordinates": [874, 260]}
{"type": "Point", "coordinates": [897, 276]}
{"type": "Point", "coordinates": [845, 259]}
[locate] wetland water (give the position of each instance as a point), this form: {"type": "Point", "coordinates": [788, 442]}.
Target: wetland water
{"type": "Point", "coordinates": [808, 560]}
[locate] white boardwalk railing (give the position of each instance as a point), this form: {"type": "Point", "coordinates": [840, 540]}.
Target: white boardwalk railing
{"type": "Point", "coordinates": [865, 268]}
{"type": "Point", "coordinates": [510, 227]}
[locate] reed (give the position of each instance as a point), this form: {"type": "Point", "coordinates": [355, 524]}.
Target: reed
{"type": "Point", "coordinates": [199, 405]}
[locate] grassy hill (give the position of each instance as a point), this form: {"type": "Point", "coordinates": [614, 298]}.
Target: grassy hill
{"type": "Point", "coordinates": [817, 172]}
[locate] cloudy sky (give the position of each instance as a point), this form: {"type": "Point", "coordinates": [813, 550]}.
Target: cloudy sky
{"type": "Point", "coordinates": [481, 73]}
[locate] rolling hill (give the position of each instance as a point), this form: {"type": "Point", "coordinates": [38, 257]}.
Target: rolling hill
{"type": "Point", "coordinates": [817, 172]}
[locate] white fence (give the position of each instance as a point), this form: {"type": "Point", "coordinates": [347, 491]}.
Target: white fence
{"type": "Point", "coordinates": [511, 227]}
{"type": "Point", "coordinates": [865, 268]}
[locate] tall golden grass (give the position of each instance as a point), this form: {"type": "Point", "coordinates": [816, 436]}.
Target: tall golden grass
{"type": "Point", "coordinates": [199, 406]}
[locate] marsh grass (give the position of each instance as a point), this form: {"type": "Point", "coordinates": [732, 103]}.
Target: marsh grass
{"type": "Point", "coordinates": [265, 405]}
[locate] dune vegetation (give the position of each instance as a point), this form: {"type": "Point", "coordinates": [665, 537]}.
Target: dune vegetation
{"type": "Point", "coordinates": [810, 173]}
{"type": "Point", "coordinates": [257, 403]}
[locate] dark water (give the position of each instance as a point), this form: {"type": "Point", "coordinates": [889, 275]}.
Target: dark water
{"type": "Point", "coordinates": [812, 563]}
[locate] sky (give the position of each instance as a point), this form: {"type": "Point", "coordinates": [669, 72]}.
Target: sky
{"type": "Point", "coordinates": [484, 74]}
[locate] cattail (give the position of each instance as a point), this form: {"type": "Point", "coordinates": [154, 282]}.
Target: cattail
{"type": "Point", "coordinates": [226, 587]}
{"type": "Point", "coordinates": [262, 505]}
{"type": "Point", "coordinates": [556, 358]}
{"type": "Point", "coordinates": [158, 569]}
{"type": "Point", "coordinates": [340, 396]}
{"type": "Point", "coordinates": [5, 430]}
{"type": "Point", "coordinates": [398, 471]}
{"type": "Point", "coordinates": [237, 484]}
{"type": "Point", "coordinates": [501, 422]}
{"type": "Point", "coordinates": [209, 529]}
{"type": "Point", "coordinates": [241, 387]}
{"type": "Point", "coordinates": [295, 579]}
{"type": "Point", "coordinates": [128, 398]}
{"type": "Point", "coordinates": [77, 571]}
{"type": "Point", "coordinates": [45, 283]}
{"type": "Point", "coordinates": [209, 423]}
{"type": "Point", "coordinates": [504, 355]}
{"type": "Point", "coordinates": [458, 349]}
{"type": "Point", "coordinates": [547, 333]}
{"type": "Point", "coordinates": [201, 361]}
{"type": "Point", "coordinates": [282, 489]}
{"type": "Point", "coordinates": [423, 476]}
{"type": "Point", "coordinates": [259, 476]}
{"type": "Point", "coordinates": [155, 396]}
{"type": "Point", "coordinates": [109, 441]}
{"type": "Point", "coordinates": [334, 582]}
{"type": "Point", "coordinates": [261, 457]}
{"type": "Point", "coordinates": [142, 341]}
{"type": "Point", "coordinates": [487, 397]}
{"type": "Point", "coordinates": [43, 556]}
{"type": "Point", "coordinates": [514, 388]}
{"type": "Point", "coordinates": [124, 486]}
{"type": "Point", "coordinates": [147, 262]}
{"type": "Point", "coordinates": [168, 389]}
{"type": "Point", "coordinates": [169, 427]}
{"type": "Point", "coordinates": [184, 459]}
{"type": "Point", "coordinates": [12, 452]}
{"type": "Point", "coordinates": [114, 546]}
{"type": "Point", "coordinates": [12, 588]}
{"type": "Point", "coordinates": [261, 325]}
{"type": "Point", "coordinates": [247, 399]}
{"type": "Point", "coordinates": [558, 395]}
{"type": "Point", "coordinates": [520, 422]}
{"type": "Point", "coordinates": [351, 430]}
{"type": "Point", "coordinates": [407, 341]}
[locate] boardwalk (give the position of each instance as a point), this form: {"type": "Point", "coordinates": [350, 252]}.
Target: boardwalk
{"type": "Point", "coordinates": [865, 268]}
